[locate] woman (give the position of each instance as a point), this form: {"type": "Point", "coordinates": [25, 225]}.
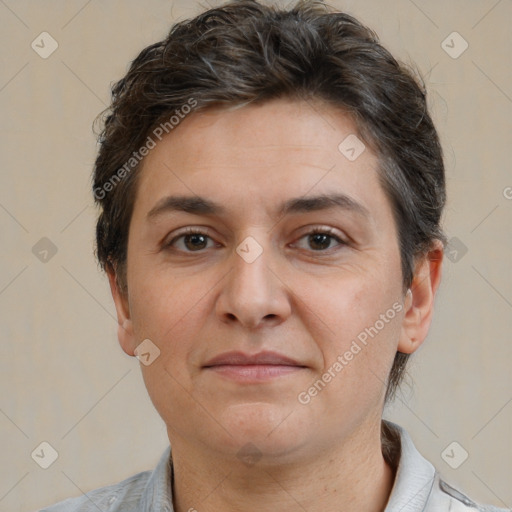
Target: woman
{"type": "Point", "coordinates": [270, 187]}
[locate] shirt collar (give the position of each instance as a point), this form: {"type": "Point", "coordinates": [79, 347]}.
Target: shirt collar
{"type": "Point", "coordinates": [413, 484]}
{"type": "Point", "coordinates": [414, 479]}
{"type": "Point", "coordinates": [158, 492]}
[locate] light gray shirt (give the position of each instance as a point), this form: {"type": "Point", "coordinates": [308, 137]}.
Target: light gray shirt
{"type": "Point", "coordinates": [417, 488]}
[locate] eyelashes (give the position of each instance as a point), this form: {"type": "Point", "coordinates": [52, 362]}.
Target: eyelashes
{"type": "Point", "coordinates": [320, 235]}
{"type": "Point", "coordinates": [197, 240]}
{"type": "Point", "coordinates": [190, 234]}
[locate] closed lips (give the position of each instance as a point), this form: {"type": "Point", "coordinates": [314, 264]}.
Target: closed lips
{"type": "Point", "coordinates": [241, 359]}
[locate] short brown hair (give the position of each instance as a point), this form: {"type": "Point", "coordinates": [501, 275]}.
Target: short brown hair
{"type": "Point", "coordinates": [245, 52]}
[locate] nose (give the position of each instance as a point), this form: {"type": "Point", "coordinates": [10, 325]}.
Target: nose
{"type": "Point", "coordinates": [252, 292]}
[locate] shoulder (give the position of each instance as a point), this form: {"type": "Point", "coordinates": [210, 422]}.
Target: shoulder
{"type": "Point", "coordinates": [418, 484]}
{"type": "Point", "coordinates": [446, 497]}
{"type": "Point", "coordinates": [123, 496]}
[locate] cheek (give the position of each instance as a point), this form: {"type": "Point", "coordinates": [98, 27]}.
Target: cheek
{"type": "Point", "coordinates": [172, 311]}
{"type": "Point", "coordinates": [170, 314]}
{"type": "Point", "coordinates": [348, 302]}
{"type": "Point", "coordinates": [356, 322]}
{"type": "Point", "coordinates": [159, 301]}
{"type": "Point", "coordinates": [156, 310]}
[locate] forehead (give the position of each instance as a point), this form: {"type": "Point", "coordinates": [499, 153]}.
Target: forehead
{"type": "Point", "coordinates": [259, 155]}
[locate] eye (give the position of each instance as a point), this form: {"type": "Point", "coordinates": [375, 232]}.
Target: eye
{"type": "Point", "coordinates": [196, 240]}
{"type": "Point", "coordinates": [320, 239]}
{"type": "Point", "coordinates": [190, 240]}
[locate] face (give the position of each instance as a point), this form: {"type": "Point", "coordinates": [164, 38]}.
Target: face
{"type": "Point", "coordinates": [253, 235]}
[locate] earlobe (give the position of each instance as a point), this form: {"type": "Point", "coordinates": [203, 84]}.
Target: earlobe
{"type": "Point", "coordinates": [419, 301]}
{"type": "Point", "coordinates": [124, 322]}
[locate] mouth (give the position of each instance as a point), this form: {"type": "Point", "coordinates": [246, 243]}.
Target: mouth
{"type": "Point", "coordinates": [253, 368]}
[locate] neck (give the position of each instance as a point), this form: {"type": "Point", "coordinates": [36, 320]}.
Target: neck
{"type": "Point", "coordinates": [352, 478]}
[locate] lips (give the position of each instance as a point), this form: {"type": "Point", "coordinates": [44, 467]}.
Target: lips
{"type": "Point", "coordinates": [263, 368]}
{"type": "Point", "coordinates": [261, 358]}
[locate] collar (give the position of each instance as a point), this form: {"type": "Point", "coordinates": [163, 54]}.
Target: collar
{"type": "Point", "coordinates": [158, 492]}
{"type": "Point", "coordinates": [415, 476]}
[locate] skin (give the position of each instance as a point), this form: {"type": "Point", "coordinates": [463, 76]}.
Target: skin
{"type": "Point", "coordinates": [195, 298]}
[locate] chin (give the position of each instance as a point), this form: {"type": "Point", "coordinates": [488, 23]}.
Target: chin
{"type": "Point", "coordinates": [266, 427]}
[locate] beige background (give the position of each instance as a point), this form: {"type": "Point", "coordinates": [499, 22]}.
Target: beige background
{"type": "Point", "coordinates": [64, 378]}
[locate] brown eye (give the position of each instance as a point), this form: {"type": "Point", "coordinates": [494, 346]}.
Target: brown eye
{"type": "Point", "coordinates": [195, 242]}
{"type": "Point", "coordinates": [190, 241]}
{"type": "Point", "coordinates": [320, 240]}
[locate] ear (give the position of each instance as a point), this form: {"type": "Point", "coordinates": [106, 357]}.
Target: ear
{"type": "Point", "coordinates": [125, 327]}
{"type": "Point", "coordinates": [419, 302]}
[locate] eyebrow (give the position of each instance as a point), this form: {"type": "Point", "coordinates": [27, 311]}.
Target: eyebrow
{"type": "Point", "coordinates": [201, 206]}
